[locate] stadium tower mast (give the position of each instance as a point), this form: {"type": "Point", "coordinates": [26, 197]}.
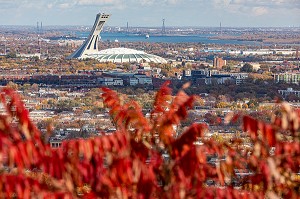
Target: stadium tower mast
{"type": "Point", "coordinates": [90, 46]}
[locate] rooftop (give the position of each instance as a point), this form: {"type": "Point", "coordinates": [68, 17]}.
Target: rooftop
{"type": "Point", "coordinates": [121, 55]}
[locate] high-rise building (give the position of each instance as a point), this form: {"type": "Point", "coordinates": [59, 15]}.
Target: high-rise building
{"type": "Point", "coordinates": [219, 62]}
{"type": "Point", "coordinates": [37, 27]}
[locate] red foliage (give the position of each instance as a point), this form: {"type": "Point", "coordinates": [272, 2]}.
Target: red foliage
{"type": "Point", "coordinates": [129, 163]}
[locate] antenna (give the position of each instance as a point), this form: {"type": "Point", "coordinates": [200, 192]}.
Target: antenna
{"type": "Point", "coordinates": [163, 30]}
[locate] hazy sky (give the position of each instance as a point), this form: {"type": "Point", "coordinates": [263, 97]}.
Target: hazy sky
{"type": "Point", "coordinates": [283, 13]}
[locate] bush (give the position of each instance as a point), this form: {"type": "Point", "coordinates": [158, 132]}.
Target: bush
{"type": "Point", "coordinates": [145, 159]}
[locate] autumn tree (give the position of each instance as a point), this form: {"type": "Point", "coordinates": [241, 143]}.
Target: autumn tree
{"type": "Point", "coordinates": [145, 158]}
{"type": "Point", "coordinates": [222, 105]}
{"type": "Point", "coordinates": [13, 85]}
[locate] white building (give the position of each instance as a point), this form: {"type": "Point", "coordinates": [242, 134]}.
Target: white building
{"type": "Point", "coordinates": [111, 81]}
{"type": "Point", "coordinates": [284, 51]}
{"type": "Point", "coordinates": [23, 55]}
{"type": "Point", "coordinates": [239, 77]}
{"type": "Point", "coordinates": [258, 52]}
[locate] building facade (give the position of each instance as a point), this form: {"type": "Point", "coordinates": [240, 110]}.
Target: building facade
{"type": "Point", "coordinates": [290, 78]}
{"type": "Point", "coordinates": [219, 62]}
{"type": "Point", "coordinates": [289, 91]}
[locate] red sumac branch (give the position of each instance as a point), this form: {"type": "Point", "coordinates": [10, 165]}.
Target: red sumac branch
{"type": "Point", "coordinates": [147, 158]}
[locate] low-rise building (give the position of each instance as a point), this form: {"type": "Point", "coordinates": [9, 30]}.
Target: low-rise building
{"type": "Point", "coordinates": [240, 78]}
{"type": "Point", "coordinates": [41, 115]}
{"type": "Point", "coordinates": [290, 78]}
{"type": "Point", "coordinates": [284, 51]}
{"type": "Point", "coordinates": [55, 142]}
{"type": "Point", "coordinates": [133, 81]}
{"type": "Point", "coordinates": [110, 81]}
{"type": "Point", "coordinates": [289, 91]}
{"type": "Point", "coordinates": [23, 55]}
{"type": "Point", "coordinates": [143, 79]}
{"type": "Point", "coordinates": [214, 76]}
{"type": "Point", "coordinates": [258, 52]}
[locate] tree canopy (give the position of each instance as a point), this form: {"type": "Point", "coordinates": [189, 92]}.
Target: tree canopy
{"type": "Point", "coordinates": [145, 158]}
{"type": "Point", "coordinates": [247, 68]}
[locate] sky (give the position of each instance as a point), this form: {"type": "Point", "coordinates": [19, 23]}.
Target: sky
{"type": "Point", "coordinates": [149, 13]}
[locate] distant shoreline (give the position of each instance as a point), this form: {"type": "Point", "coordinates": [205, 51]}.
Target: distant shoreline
{"type": "Point", "coordinates": [165, 38]}
{"type": "Point", "coordinates": [262, 39]}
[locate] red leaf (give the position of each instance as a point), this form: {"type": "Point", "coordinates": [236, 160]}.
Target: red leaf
{"type": "Point", "coordinates": [250, 125]}
{"type": "Point", "coordinates": [269, 134]}
{"type": "Point", "coordinates": [187, 139]}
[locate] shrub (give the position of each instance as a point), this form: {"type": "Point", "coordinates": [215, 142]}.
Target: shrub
{"type": "Point", "coordinates": [145, 158]}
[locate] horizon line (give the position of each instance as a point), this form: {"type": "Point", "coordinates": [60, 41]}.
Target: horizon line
{"type": "Point", "coordinates": [114, 26]}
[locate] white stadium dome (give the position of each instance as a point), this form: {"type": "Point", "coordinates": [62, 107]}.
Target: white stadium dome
{"type": "Point", "coordinates": [121, 55]}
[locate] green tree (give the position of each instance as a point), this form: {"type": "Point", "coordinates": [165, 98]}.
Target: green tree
{"type": "Point", "coordinates": [11, 55]}
{"type": "Point", "coordinates": [247, 68]}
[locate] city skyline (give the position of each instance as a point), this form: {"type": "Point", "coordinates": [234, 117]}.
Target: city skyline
{"type": "Point", "coordinates": [232, 13]}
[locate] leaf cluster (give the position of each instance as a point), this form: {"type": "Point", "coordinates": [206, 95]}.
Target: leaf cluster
{"type": "Point", "coordinates": [145, 157]}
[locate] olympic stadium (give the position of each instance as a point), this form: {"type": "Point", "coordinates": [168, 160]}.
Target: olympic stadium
{"type": "Point", "coordinates": [89, 49]}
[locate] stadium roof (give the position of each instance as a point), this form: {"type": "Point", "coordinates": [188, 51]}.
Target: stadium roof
{"type": "Point", "coordinates": [121, 55]}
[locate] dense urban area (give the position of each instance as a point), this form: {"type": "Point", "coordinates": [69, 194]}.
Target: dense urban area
{"type": "Point", "coordinates": [65, 93]}
{"type": "Point", "coordinates": [150, 99]}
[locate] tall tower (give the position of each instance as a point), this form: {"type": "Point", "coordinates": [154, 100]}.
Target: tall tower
{"type": "Point", "coordinates": [41, 27]}
{"type": "Point", "coordinates": [163, 29]}
{"type": "Point", "coordinates": [221, 29]}
{"type": "Point", "coordinates": [127, 28]}
{"type": "Point", "coordinates": [37, 27]}
{"type": "Point", "coordinates": [90, 46]}
{"type": "Point", "coordinates": [297, 58]}
{"type": "Point", "coordinates": [40, 44]}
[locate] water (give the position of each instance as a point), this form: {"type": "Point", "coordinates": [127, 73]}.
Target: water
{"type": "Point", "coordinates": [205, 39]}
